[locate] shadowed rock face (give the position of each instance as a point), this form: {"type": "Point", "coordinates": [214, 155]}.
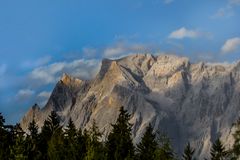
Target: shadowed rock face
{"type": "Point", "coordinates": [190, 102]}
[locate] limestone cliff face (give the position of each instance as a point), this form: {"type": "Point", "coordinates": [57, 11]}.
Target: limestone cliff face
{"type": "Point", "coordinates": [190, 102]}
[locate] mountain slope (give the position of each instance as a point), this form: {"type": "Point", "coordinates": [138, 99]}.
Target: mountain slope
{"type": "Point", "coordinates": [190, 102]}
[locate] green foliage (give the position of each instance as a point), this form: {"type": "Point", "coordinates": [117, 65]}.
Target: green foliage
{"type": "Point", "coordinates": [53, 136]}
{"type": "Point", "coordinates": [56, 146]}
{"type": "Point", "coordinates": [50, 136]}
{"type": "Point", "coordinates": [164, 150]}
{"type": "Point", "coordinates": [71, 131]}
{"type": "Point", "coordinates": [56, 143]}
{"type": "Point", "coordinates": [51, 125]}
{"type": "Point", "coordinates": [2, 120]}
{"type": "Point", "coordinates": [218, 151]}
{"type": "Point", "coordinates": [70, 141]}
{"type": "Point", "coordinates": [18, 150]}
{"type": "Point", "coordinates": [119, 144]}
{"type": "Point", "coordinates": [5, 140]}
{"type": "Point", "coordinates": [81, 144]}
{"type": "Point", "coordinates": [188, 153]}
{"type": "Point", "coordinates": [33, 130]}
{"type": "Point", "coordinates": [148, 145]}
{"type": "Point", "coordinates": [95, 149]}
{"type": "Point", "coordinates": [33, 141]}
{"type": "Point", "coordinates": [236, 135]}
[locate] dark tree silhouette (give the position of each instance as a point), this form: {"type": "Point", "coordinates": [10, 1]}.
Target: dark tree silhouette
{"type": "Point", "coordinates": [218, 152]}
{"type": "Point", "coordinates": [119, 143]}
{"type": "Point", "coordinates": [148, 145]}
{"type": "Point", "coordinates": [188, 152]}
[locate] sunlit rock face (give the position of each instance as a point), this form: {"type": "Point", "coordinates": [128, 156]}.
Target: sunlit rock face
{"type": "Point", "coordinates": [190, 102]}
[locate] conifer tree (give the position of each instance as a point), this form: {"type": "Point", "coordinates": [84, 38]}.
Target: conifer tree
{"type": "Point", "coordinates": [188, 153]}
{"type": "Point", "coordinates": [119, 143]}
{"type": "Point", "coordinates": [52, 131]}
{"type": "Point", "coordinates": [51, 125]}
{"type": "Point", "coordinates": [51, 137]}
{"type": "Point", "coordinates": [56, 150]}
{"type": "Point", "coordinates": [164, 150]}
{"type": "Point", "coordinates": [71, 131]}
{"type": "Point", "coordinates": [32, 141]}
{"type": "Point", "coordinates": [33, 130]}
{"type": "Point", "coordinates": [148, 145]}
{"type": "Point", "coordinates": [70, 141]}
{"type": "Point", "coordinates": [2, 120]}
{"type": "Point", "coordinates": [236, 135]}
{"type": "Point", "coordinates": [4, 140]}
{"type": "Point", "coordinates": [95, 149]}
{"type": "Point", "coordinates": [218, 151]}
{"type": "Point", "coordinates": [18, 150]}
{"type": "Point", "coordinates": [2, 136]}
{"type": "Point", "coordinates": [81, 144]}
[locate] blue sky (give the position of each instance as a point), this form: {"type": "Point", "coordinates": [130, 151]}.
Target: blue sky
{"type": "Point", "coordinates": [39, 40]}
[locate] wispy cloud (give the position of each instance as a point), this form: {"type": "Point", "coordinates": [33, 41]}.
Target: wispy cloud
{"type": "Point", "coordinates": [168, 1]}
{"type": "Point", "coordinates": [44, 94]}
{"type": "Point", "coordinates": [43, 97]}
{"type": "Point", "coordinates": [234, 2]}
{"type": "Point", "coordinates": [24, 94]}
{"type": "Point", "coordinates": [3, 68]}
{"type": "Point", "coordinates": [49, 74]}
{"type": "Point", "coordinates": [223, 12]}
{"type": "Point", "coordinates": [36, 63]}
{"type": "Point", "coordinates": [227, 11]}
{"type": "Point", "coordinates": [231, 45]}
{"type": "Point", "coordinates": [120, 49]}
{"type": "Point", "coordinates": [182, 33]}
{"type": "Point", "coordinates": [89, 52]}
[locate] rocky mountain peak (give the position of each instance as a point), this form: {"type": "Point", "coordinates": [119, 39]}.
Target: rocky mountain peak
{"type": "Point", "coordinates": [33, 113]}
{"type": "Point", "coordinates": [68, 80]}
{"type": "Point", "coordinates": [194, 102]}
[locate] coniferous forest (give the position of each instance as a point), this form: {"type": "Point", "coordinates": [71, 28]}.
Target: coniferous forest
{"type": "Point", "coordinates": [55, 142]}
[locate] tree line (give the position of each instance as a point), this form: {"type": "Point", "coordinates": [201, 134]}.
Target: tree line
{"type": "Point", "coordinates": [55, 142]}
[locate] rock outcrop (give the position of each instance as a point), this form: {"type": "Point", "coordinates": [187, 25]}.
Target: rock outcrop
{"type": "Point", "coordinates": [190, 102]}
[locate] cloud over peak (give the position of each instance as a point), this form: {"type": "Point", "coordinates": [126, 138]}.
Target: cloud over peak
{"type": "Point", "coordinates": [119, 49]}
{"type": "Point", "coordinates": [80, 68]}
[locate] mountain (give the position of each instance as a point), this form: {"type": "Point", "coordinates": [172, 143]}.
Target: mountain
{"type": "Point", "coordinates": [195, 102]}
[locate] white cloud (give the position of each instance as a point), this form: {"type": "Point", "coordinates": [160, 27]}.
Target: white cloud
{"type": "Point", "coordinates": [234, 2]}
{"type": "Point", "coordinates": [44, 94]}
{"type": "Point", "coordinates": [43, 97]}
{"type": "Point", "coordinates": [47, 74]}
{"type": "Point", "coordinates": [36, 63]}
{"type": "Point", "coordinates": [231, 45]}
{"type": "Point", "coordinates": [223, 12]}
{"type": "Point", "coordinates": [228, 10]}
{"type": "Point", "coordinates": [24, 94]}
{"type": "Point", "coordinates": [168, 1]}
{"type": "Point", "coordinates": [184, 33]}
{"type": "Point", "coordinates": [3, 68]}
{"type": "Point", "coordinates": [114, 51]}
{"type": "Point", "coordinates": [89, 51]}
{"type": "Point", "coordinates": [84, 69]}
{"type": "Point", "coordinates": [120, 49]}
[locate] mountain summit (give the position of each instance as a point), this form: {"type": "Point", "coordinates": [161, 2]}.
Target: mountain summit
{"type": "Point", "coordinates": [195, 102]}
